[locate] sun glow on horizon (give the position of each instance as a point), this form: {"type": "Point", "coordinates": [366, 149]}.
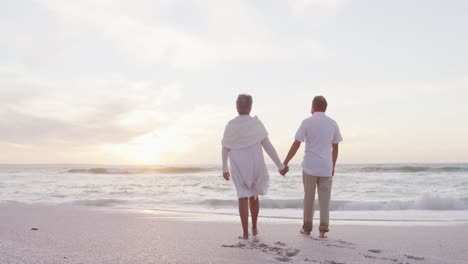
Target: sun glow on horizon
{"type": "Point", "coordinates": [147, 149]}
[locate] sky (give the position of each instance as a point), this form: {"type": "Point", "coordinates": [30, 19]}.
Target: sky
{"type": "Point", "coordinates": [155, 82]}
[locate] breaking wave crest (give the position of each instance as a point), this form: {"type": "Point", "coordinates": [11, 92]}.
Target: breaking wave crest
{"type": "Point", "coordinates": [409, 169]}
{"type": "Point", "coordinates": [139, 170]}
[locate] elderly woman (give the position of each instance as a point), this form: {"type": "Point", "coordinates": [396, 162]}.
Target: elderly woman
{"type": "Point", "coordinates": [244, 139]}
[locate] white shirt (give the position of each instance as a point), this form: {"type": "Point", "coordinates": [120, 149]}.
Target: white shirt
{"type": "Point", "coordinates": [319, 133]}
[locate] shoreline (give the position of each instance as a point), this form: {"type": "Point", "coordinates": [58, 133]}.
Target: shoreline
{"type": "Point", "coordinates": [286, 219]}
{"type": "Point", "coordinates": [77, 234]}
{"type": "Point", "coordinates": [230, 214]}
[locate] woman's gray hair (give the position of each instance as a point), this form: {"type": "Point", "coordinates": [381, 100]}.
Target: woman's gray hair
{"type": "Point", "coordinates": [244, 104]}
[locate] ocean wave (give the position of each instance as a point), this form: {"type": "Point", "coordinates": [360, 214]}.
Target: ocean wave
{"type": "Point", "coordinates": [407, 169]}
{"type": "Point", "coordinates": [425, 202]}
{"type": "Point", "coordinates": [169, 170]}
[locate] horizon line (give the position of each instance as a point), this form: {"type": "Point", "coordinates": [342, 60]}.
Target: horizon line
{"type": "Point", "coordinates": [214, 165]}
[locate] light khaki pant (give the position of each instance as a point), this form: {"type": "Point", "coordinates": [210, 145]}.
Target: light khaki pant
{"type": "Point", "coordinates": [324, 186]}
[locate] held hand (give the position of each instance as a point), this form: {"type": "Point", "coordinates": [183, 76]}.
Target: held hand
{"type": "Point", "coordinates": [284, 171]}
{"type": "Point", "coordinates": [226, 176]}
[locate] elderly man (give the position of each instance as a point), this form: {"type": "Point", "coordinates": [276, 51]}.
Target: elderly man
{"type": "Point", "coordinates": [244, 139]}
{"type": "Point", "coordinates": [321, 136]}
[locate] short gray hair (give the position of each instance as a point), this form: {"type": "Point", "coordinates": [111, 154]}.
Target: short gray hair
{"type": "Point", "coordinates": [244, 103]}
{"type": "Point", "coordinates": [320, 103]}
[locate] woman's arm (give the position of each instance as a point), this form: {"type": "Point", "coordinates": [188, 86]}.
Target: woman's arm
{"type": "Point", "coordinates": [225, 155]}
{"type": "Point", "coordinates": [271, 151]}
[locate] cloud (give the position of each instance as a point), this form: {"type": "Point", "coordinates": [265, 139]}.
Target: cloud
{"type": "Point", "coordinates": [304, 4]}
{"type": "Point", "coordinates": [118, 119]}
{"type": "Point", "coordinates": [302, 7]}
{"type": "Point", "coordinates": [14, 88]}
{"type": "Point", "coordinates": [219, 32]}
{"type": "Point", "coordinates": [39, 112]}
{"type": "Point", "coordinates": [24, 129]}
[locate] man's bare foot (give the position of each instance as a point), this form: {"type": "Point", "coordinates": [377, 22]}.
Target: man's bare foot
{"type": "Point", "coordinates": [254, 231]}
{"type": "Point", "coordinates": [322, 234]}
{"type": "Point", "coordinates": [244, 236]}
{"type": "Point", "coordinates": [306, 233]}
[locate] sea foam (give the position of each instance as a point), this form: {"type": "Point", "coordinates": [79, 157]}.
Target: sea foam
{"type": "Point", "coordinates": [142, 170]}
{"type": "Point", "coordinates": [425, 202]}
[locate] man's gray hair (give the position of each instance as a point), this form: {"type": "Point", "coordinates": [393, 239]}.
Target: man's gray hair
{"type": "Point", "coordinates": [244, 103]}
{"type": "Point", "coordinates": [320, 103]}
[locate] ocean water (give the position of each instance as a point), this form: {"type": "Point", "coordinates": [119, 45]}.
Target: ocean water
{"type": "Point", "coordinates": [373, 192]}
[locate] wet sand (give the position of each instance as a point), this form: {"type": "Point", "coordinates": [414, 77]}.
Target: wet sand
{"type": "Point", "coordinates": [70, 234]}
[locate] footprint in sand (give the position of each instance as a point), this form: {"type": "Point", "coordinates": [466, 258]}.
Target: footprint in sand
{"type": "Point", "coordinates": [280, 244]}
{"type": "Point", "coordinates": [369, 256]}
{"type": "Point", "coordinates": [414, 257]}
{"type": "Point", "coordinates": [279, 250]}
{"type": "Point", "coordinates": [344, 242]}
{"type": "Point", "coordinates": [283, 259]}
{"type": "Point", "coordinates": [292, 253]}
{"type": "Point", "coordinates": [374, 257]}
{"type": "Point", "coordinates": [238, 245]}
{"type": "Point", "coordinates": [337, 246]}
{"type": "Point", "coordinates": [326, 261]}
{"type": "Point", "coordinates": [340, 246]}
{"type": "Point", "coordinates": [336, 243]}
{"type": "Point", "coordinates": [276, 249]}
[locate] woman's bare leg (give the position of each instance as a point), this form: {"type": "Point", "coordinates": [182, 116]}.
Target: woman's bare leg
{"type": "Point", "coordinates": [244, 216]}
{"type": "Point", "coordinates": [254, 210]}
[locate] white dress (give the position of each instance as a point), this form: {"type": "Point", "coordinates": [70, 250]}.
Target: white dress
{"type": "Point", "coordinates": [247, 164]}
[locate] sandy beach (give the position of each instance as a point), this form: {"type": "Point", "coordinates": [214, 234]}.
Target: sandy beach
{"type": "Point", "coordinates": [70, 234]}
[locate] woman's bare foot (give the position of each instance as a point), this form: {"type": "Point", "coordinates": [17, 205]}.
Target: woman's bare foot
{"type": "Point", "coordinates": [254, 231]}
{"type": "Point", "coordinates": [244, 236]}
{"type": "Point", "coordinates": [322, 234]}
{"type": "Point", "coordinates": [306, 233]}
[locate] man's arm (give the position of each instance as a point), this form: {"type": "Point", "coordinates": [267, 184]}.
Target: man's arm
{"type": "Point", "coordinates": [334, 156]}
{"type": "Point", "coordinates": [292, 152]}
{"type": "Point", "coordinates": [300, 137]}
